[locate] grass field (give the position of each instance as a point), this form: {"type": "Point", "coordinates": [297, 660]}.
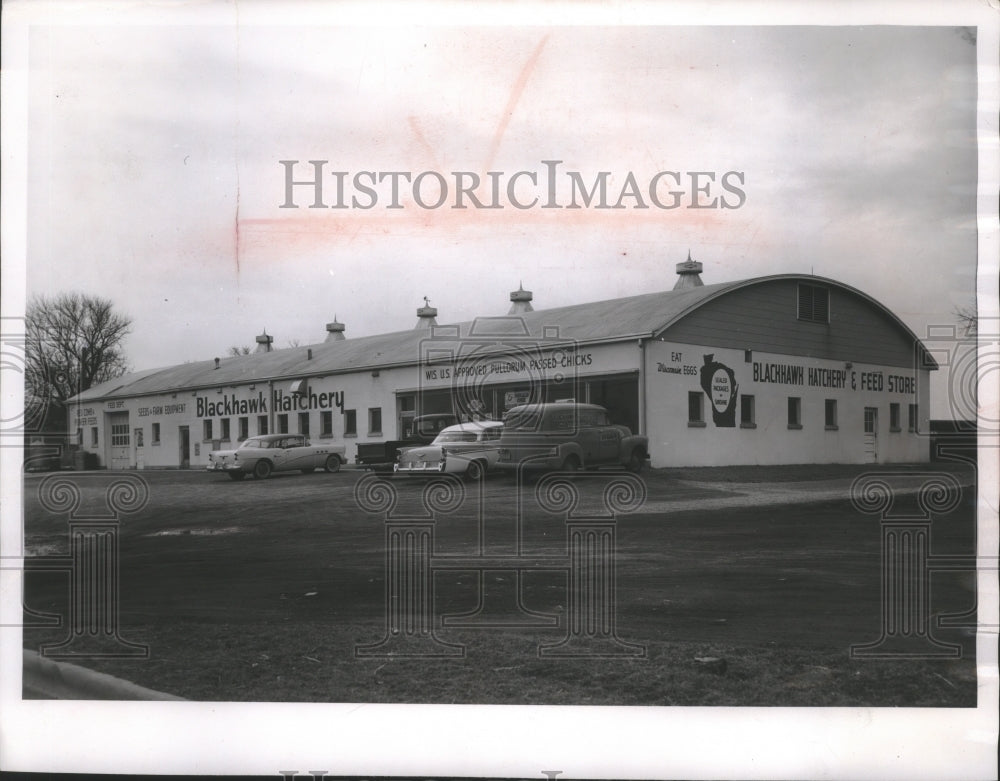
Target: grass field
{"type": "Point", "coordinates": [261, 591]}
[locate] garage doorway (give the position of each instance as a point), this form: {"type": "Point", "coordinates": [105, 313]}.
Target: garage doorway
{"type": "Point", "coordinates": [120, 441]}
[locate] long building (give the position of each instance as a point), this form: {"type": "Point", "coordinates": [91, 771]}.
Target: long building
{"type": "Point", "coordinates": [780, 369]}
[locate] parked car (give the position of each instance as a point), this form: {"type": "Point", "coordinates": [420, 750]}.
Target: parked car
{"type": "Point", "coordinates": [568, 436]}
{"type": "Point", "coordinates": [468, 449]}
{"type": "Point", "coordinates": [260, 456]}
{"type": "Point", "coordinates": [382, 456]}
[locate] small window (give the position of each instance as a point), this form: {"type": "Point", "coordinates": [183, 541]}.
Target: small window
{"type": "Point", "coordinates": [244, 428]}
{"type": "Point", "coordinates": [261, 424]}
{"type": "Point", "coordinates": [206, 430]}
{"type": "Point", "coordinates": [696, 408]}
{"type": "Point", "coordinates": [154, 436]}
{"type": "Point", "coordinates": [304, 424]}
{"type": "Point", "coordinates": [831, 414]}
{"type": "Point", "coordinates": [748, 412]}
{"type": "Point", "coordinates": [374, 420]}
{"type": "Point", "coordinates": [794, 412]}
{"type": "Point", "coordinates": [93, 436]}
{"type": "Point", "coordinates": [894, 417]}
{"type": "Point", "coordinates": [911, 418]}
{"type": "Point", "coordinates": [326, 423]}
{"type": "Point", "coordinates": [119, 435]}
{"type": "Point", "coordinates": [814, 304]}
{"type": "Point", "coordinates": [79, 437]}
{"type": "Point", "coordinates": [225, 429]}
{"type": "Point", "coordinates": [282, 424]}
{"type": "Point", "coordinates": [350, 423]}
{"type": "Point", "coordinates": [407, 403]}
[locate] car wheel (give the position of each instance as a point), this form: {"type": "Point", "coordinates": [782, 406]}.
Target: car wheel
{"type": "Point", "coordinates": [332, 464]}
{"type": "Point", "coordinates": [262, 470]}
{"type": "Point", "coordinates": [475, 471]}
{"type": "Point", "coordinates": [570, 464]}
{"type": "Point", "coordinates": [237, 476]}
{"type": "Point", "coordinates": [635, 461]}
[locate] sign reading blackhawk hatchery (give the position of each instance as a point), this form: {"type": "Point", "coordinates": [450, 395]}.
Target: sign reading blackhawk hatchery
{"type": "Point", "coordinates": [231, 404]}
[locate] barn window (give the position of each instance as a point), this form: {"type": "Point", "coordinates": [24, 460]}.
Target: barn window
{"type": "Point", "coordinates": [814, 304]}
{"type": "Point", "coordinates": [912, 418]}
{"type": "Point", "coordinates": [831, 414]}
{"type": "Point", "coordinates": [262, 424]}
{"type": "Point", "coordinates": [225, 429]}
{"type": "Point", "coordinates": [206, 430]}
{"type": "Point", "coordinates": [794, 412]}
{"type": "Point", "coordinates": [155, 436]}
{"type": "Point", "coordinates": [748, 418]}
{"type": "Point", "coordinates": [350, 423]}
{"type": "Point", "coordinates": [894, 417]}
{"type": "Point", "coordinates": [326, 423]}
{"type": "Point", "coordinates": [282, 424]}
{"type": "Point", "coordinates": [696, 409]}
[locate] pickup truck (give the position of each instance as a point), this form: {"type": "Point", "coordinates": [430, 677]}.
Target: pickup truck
{"type": "Point", "coordinates": [567, 436]}
{"type": "Point", "coordinates": [382, 456]}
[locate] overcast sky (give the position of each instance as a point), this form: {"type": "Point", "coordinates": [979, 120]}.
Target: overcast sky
{"type": "Point", "coordinates": [154, 176]}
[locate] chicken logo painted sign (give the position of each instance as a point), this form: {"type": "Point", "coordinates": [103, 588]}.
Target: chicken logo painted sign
{"type": "Point", "coordinates": [719, 384]}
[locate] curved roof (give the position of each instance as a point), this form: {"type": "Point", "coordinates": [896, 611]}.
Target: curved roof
{"type": "Point", "coordinates": [612, 320]}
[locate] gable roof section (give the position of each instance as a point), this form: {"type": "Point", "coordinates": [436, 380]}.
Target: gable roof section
{"type": "Point", "coordinates": [618, 319]}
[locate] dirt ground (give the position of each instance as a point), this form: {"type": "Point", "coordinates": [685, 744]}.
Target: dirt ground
{"type": "Point", "coordinates": [264, 590]}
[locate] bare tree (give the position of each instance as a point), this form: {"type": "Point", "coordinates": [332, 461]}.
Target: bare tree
{"type": "Point", "coordinates": [968, 319]}
{"type": "Point", "coordinates": [294, 342]}
{"type": "Point", "coordinates": [73, 342]}
{"type": "Point", "coordinates": [238, 351]}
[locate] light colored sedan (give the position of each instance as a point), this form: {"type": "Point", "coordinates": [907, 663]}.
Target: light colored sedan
{"type": "Point", "coordinates": [467, 449]}
{"type": "Point", "coordinates": [262, 455]}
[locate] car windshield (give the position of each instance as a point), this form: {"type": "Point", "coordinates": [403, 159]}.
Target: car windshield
{"type": "Point", "coordinates": [455, 436]}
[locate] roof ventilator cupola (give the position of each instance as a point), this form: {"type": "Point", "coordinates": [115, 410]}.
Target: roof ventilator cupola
{"type": "Point", "coordinates": [426, 315]}
{"type": "Point", "coordinates": [520, 300]}
{"type": "Point", "coordinates": [688, 274]}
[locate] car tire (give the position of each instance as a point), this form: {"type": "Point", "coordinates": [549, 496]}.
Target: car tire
{"type": "Point", "coordinates": [570, 464]}
{"type": "Point", "coordinates": [475, 471]}
{"type": "Point", "coordinates": [262, 470]}
{"type": "Point", "coordinates": [237, 476]}
{"type": "Point", "coordinates": [332, 464]}
{"type": "Point", "coordinates": [635, 461]}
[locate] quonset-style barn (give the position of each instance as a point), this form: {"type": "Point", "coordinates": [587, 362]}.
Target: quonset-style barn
{"type": "Point", "coordinates": [773, 370]}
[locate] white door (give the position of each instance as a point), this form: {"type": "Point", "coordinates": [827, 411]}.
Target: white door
{"type": "Point", "coordinates": [871, 435]}
{"type": "Point", "coordinates": [140, 451]}
{"type": "Point", "coordinates": [120, 441]}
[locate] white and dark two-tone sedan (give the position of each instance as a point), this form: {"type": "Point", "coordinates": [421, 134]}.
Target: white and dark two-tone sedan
{"type": "Point", "coordinates": [260, 456]}
{"type": "Point", "coordinates": [467, 449]}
